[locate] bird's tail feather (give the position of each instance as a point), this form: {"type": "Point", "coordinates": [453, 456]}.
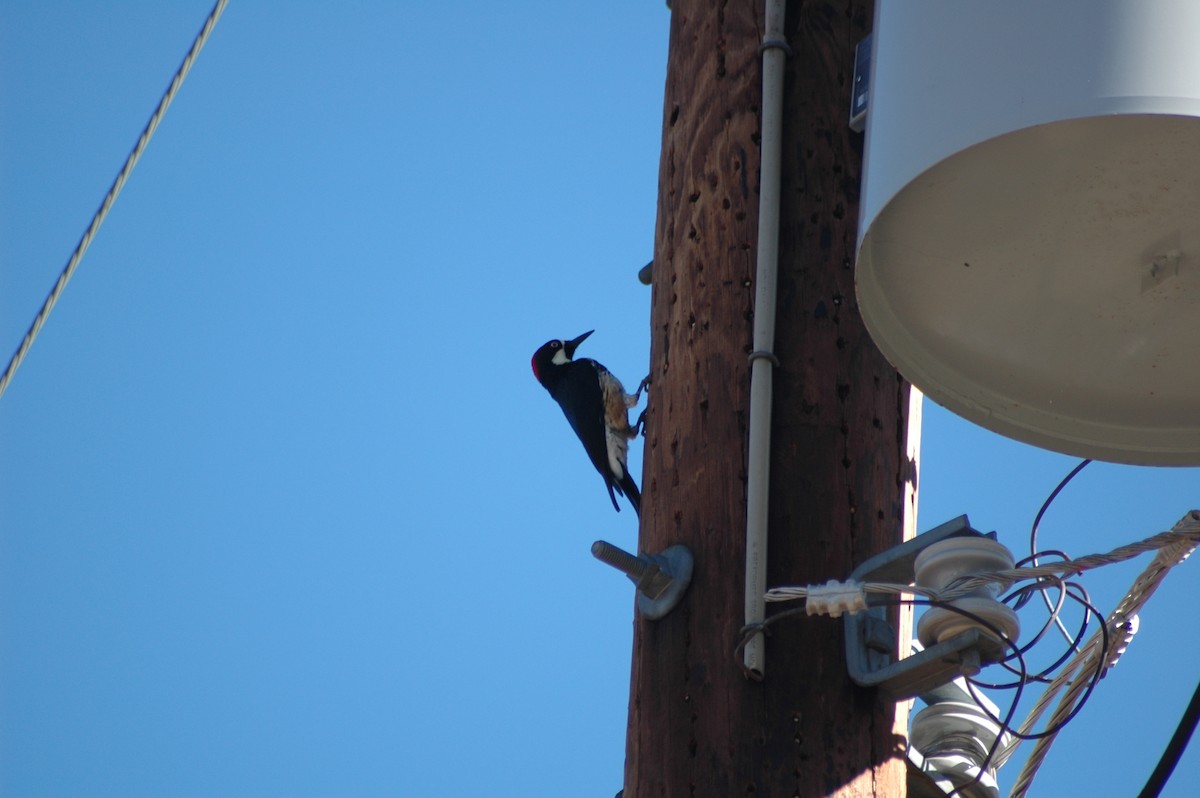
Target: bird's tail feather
{"type": "Point", "coordinates": [632, 493]}
{"type": "Point", "coordinates": [612, 495]}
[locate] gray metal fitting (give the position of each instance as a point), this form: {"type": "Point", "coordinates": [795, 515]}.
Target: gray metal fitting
{"type": "Point", "coordinates": [661, 579]}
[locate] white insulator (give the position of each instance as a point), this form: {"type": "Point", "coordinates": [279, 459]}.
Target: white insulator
{"type": "Point", "coordinates": [949, 560]}
{"type": "Point", "coordinates": [954, 738]}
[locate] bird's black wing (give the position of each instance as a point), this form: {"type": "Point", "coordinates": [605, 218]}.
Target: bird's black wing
{"type": "Point", "coordinates": [578, 394]}
{"type": "Point", "coordinates": [631, 492]}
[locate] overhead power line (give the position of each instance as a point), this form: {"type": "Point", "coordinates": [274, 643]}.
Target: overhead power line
{"type": "Point", "coordinates": [98, 219]}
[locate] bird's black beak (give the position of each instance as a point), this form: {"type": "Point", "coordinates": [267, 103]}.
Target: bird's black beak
{"type": "Point", "coordinates": [570, 346]}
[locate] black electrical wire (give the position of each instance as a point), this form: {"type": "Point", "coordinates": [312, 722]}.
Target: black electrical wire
{"type": "Point", "coordinates": [1097, 674]}
{"type": "Point", "coordinates": [1067, 590]}
{"type": "Point", "coordinates": [1074, 591]}
{"type": "Point", "coordinates": [1006, 724]}
{"type": "Point", "coordinates": [1019, 594]}
{"type": "Point", "coordinates": [1033, 531]}
{"type": "Point", "coordinates": [1175, 748]}
{"type": "Point", "coordinates": [1035, 559]}
{"type": "Point", "coordinates": [1037, 519]}
{"type": "Point", "coordinates": [1085, 600]}
{"type": "Point", "coordinates": [749, 630]}
{"type": "Point", "coordinates": [1045, 505]}
{"type": "Point", "coordinates": [1023, 679]}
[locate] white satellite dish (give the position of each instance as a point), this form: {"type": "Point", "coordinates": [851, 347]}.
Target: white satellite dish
{"type": "Point", "coordinates": [1029, 250]}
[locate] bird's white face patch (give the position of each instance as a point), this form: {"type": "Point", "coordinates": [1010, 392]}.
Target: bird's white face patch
{"type": "Point", "coordinates": [560, 357]}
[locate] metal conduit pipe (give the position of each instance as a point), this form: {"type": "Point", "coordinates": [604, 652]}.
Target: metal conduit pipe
{"type": "Point", "coordinates": [774, 51]}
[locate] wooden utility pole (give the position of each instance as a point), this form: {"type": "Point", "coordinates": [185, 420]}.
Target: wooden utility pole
{"type": "Point", "coordinates": [839, 468]}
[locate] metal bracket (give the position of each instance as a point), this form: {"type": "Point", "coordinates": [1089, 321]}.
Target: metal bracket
{"type": "Point", "coordinates": [870, 639]}
{"type": "Point", "coordinates": [661, 579]}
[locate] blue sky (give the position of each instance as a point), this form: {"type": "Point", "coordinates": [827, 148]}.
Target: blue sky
{"type": "Point", "coordinates": [283, 511]}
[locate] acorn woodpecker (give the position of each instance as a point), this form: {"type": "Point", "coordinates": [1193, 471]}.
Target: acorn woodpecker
{"type": "Point", "coordinates": [596, 405]}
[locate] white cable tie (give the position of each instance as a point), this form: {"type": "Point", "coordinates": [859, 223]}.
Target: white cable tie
{"type": "Point", "coordinates": [834, 597]}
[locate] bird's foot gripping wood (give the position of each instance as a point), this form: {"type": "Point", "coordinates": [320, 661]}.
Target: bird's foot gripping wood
{"type": "Point", "coordinates": [643, 385]}
{"type": "Point", "coordinates": [631, 401]}
{"type": "Point", "coordinates": [639, 426]}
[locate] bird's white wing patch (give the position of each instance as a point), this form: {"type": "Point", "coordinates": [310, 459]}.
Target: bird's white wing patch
{"type": "Point", "coordinates": [617, 431]}
{"type": "Point", "coordinates": [615, 402]}
{"type": "Point", "coordinates": [618, 448]}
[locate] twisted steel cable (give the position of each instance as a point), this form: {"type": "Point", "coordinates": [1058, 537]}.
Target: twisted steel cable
{"type": "Point", "coordinates": [98, 219]}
